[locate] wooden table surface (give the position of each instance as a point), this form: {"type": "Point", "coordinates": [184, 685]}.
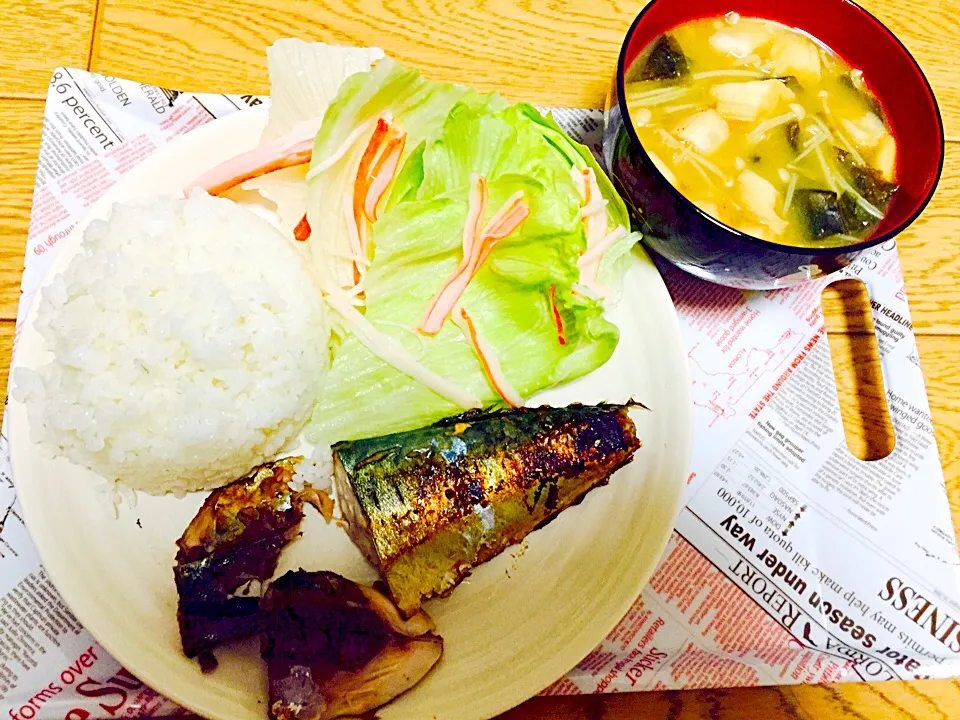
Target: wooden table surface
{"type": "Point", "coordinates": [559, 52]}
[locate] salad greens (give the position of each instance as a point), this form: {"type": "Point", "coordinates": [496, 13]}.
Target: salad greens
{"type": "Point", "coordinates": [466, 247]}
{"type": "Point", "coordinates": [533, 320]}
{"type": "Point", "coordinates": [388, 91]}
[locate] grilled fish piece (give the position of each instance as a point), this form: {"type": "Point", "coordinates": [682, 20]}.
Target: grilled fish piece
{"type": "Point", "coordinates": [229, 549]}
{"type": "Point", "coordinates": [426, 506]}
{"type": "Point", "coordinates": [336, 648]}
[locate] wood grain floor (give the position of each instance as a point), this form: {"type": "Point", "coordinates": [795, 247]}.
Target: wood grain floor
{"type": "Point", "coordinates": [558, 52]}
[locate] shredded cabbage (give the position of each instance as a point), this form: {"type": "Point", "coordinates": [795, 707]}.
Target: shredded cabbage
{"type": "Point", "coordinates": [304, 79]}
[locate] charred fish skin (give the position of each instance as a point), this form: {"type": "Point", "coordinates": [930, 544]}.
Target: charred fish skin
{"type": "Point", "coordinates": [426, 506]}
{"type": "Point", "coordinates": [334, 648]}
{"type": "Point", "coordinates": [229, 548]}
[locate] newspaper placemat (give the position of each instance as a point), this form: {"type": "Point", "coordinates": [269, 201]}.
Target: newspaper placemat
{"type": "Point", "coordinates": [792, 562]}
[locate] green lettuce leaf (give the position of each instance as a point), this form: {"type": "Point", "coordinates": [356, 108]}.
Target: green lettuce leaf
{"type": "Point", "coordinates": [617, 259]}
{"type": "Point", "coordinates": [417, 242]}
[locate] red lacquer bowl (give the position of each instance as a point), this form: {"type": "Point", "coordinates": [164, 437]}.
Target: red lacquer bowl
{"type": "Point", "coordinates": [678, 230]}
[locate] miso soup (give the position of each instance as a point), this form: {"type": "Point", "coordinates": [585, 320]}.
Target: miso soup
{"type": "Point", "coordinates": [764, 129]}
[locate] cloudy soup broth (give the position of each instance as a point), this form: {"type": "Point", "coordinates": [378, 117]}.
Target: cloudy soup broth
{"type": "Point", "coordinates": [764, 129]}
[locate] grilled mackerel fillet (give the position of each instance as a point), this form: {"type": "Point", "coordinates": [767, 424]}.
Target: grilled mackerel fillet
{"type": "Point", "coordinates": [426, 506]}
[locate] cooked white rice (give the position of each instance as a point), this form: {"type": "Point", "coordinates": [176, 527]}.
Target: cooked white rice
{"type": "Point", "coordinates": [316, 469]}
{"type": "Point", "coordinates": [189, 345]}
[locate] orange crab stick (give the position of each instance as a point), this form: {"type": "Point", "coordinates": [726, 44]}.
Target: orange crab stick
{"type": "Point", "coordinates": [557, 317]}
{"type": "Point", "coordinates": [595, 223]}
{"type": "Point", "coordinates": [589, 262]}
{"type": "Point", "coordinates": [383, 174]}
{"type": "Point", "coordinates": [476, 251]}
{"type": "Point", "coordinates": [507, 219]}
{"type": "Point", "coordinates": [302, 231]}
{"type": "Point", "coordinates": [285, 152]}
{"type": "Point", "coordinates": [378, 166]}
{"type": "Point", "coordinates": [487, 356]}
{"type": "Point", "coordinates": [476, 207]}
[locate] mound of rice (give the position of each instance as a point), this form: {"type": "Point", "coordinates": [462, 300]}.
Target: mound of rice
{"type": "Point", "coordinates": [189, 345]}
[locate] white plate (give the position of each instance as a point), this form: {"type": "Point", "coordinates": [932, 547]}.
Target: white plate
{"type": "Point", "coordinates": [517, 624]}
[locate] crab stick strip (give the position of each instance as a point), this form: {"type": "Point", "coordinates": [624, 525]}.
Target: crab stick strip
{"type": "Point", "coordinates": [507, 219]}
{"type": "Point", "coordinates": [295, 148]}
{"type": "Point", "coordinates": [476, 207]}
{"type": "Point", "coordinates": [589, 262]}
{"type": "Point", "coordinates": [557, 317]}
{"type": "Point", "coordinates": [478, 243]}
{"type": "Point", "coordinates": [592, 257]}
{"type": "Point", "coordinates": [302, 231]}
{"type": "Point", "coordinates": [334, 157]}
{"type": "Point", "coordinates": [380, 134]}
{"type": "Point", "coordinates": [487, 356]}
{"type": "Point", "coordinates": [595, 225]}
{"type": "Point", "coordinates": [594, 208]}
{"type": "Point", "coordinates": [361, 182]}
{"type": "Point", "coordinates": [378, 166]}
{"type": "Point", "coordinates": [383, 173]}
{"type": "Point", "coordinates": [284, 152]}
{"type": "Point", "coordinates": [510, 216]}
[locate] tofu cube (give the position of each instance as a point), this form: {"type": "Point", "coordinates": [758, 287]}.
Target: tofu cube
{"type": "Point", "coordinates": [749, 101]}
{"type": "Point", "coordinates": [866, 132]}
{"type": "Point", "coordinates": [761, 199]}
{"type": "Point", "coordinates": [641, 116]}
{"type": "Point", "coordinates": [755, 229]}
{"type": "Point", "coordinates": [705, 131]}
{"type": "Point", "coordinates": [741, 40]}
{"type": "Point", "coordinates": [885, 159]}
{"type": "Point", "coordinates": [710, 208]}
{"type": "Point", "coordinates": [796, 55]}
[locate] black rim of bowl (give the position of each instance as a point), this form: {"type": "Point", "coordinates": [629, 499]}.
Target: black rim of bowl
{"type": "Point", "coordinates": [750, 239]}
